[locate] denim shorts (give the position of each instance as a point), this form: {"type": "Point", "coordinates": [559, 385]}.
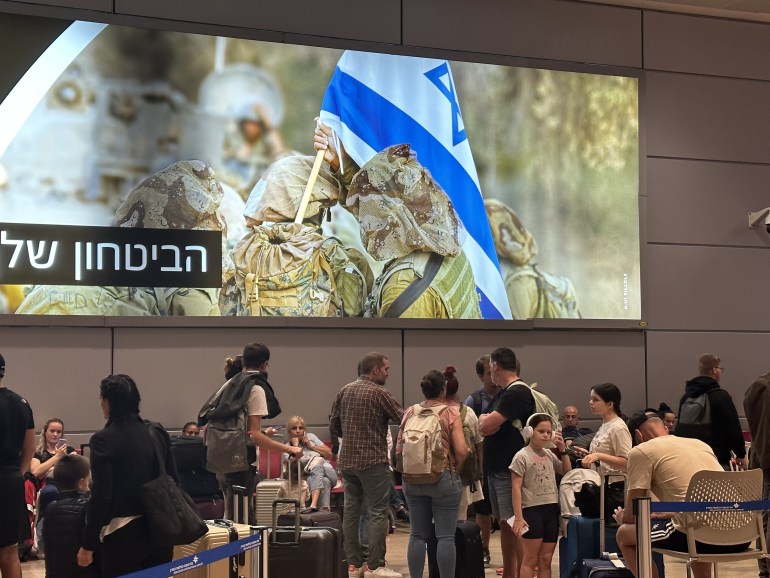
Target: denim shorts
{"type": "Point", "coordinates": [500, 496]}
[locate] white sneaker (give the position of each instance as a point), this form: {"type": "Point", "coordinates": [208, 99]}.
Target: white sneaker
{"type": "Point", "coordinates": [354, 572]}
{"type": "Point", "coordinates": [382, 572]}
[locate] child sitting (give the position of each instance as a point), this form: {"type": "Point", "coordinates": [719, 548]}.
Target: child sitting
{"type": "Point", "coordinates": [290, 490]}
{"type": "Point", "coordinates": [65, 520]}
{"type": "Point", "coordinates": [535, 493]}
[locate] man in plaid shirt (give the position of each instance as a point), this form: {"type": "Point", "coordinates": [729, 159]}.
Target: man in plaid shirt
{"type": "Point", "coordinates": [360, 416]}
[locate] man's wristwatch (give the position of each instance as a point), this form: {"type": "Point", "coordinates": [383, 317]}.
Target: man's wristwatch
{"type": "Point", "coordinates": [564, 453]}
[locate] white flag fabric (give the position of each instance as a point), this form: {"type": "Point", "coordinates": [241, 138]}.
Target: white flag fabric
{"type": "Point", "coordinates": [374, 101]}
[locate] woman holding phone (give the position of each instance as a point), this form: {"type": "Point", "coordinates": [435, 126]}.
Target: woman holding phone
{"type": "Point", "coordinates": [50, 448]}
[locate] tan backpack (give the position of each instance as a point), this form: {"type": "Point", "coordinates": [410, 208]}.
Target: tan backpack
{"type": "Point", "coordinates": [291, 270]}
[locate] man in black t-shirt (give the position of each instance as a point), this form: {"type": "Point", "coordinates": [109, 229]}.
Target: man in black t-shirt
{"type": "Point", "coordinates": [17, 444]}
{"type": "Point", "coordinates": [501, 428]}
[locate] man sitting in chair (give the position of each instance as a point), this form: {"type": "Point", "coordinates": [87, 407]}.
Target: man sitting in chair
{"type": "Point", "coordinates": [663, 465]}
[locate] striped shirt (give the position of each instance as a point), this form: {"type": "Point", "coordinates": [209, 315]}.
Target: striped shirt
{"type": "Point", "coordinates": [360, 416]}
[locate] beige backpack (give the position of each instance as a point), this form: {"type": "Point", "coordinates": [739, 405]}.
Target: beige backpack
{"type": "Point", "coordinates": [291, 270]}
{"type": "Point", "coordinates": [422, 459]}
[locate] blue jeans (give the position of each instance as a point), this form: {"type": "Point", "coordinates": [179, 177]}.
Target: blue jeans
{"type": "Point", "coordinates": [373, 484]}
{"type": "Point", "coordinates": [431, 504]}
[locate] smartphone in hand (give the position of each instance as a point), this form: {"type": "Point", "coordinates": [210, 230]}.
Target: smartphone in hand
{"type": "Point", "coordinates": [62, 443]}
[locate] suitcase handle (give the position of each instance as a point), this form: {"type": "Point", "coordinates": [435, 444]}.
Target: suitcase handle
{"type": "Point", "coordinates": [274, 528]}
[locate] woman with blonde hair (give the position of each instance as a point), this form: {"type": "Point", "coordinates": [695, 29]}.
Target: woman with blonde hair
{"type": "Point", "coordinates": [319, 474]}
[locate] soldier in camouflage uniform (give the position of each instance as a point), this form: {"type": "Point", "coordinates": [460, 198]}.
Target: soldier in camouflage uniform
{"type": "Point", "coordinates": [532, 293]}
{"type": "Point", "coordinates": [184, 195]}
{"type": "Point", "coordinates": [288, 269]}
{"type": "Point", "coordinates": [406, 217]}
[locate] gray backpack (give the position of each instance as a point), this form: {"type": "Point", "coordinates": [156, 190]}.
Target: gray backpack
{"type": "Point", "coordinates": [695, 418]}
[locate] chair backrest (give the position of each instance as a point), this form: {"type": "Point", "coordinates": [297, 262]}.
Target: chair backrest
{"type": "Point", "coordinates": [731, 527]}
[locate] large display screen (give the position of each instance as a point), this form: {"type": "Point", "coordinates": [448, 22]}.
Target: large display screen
{"type": "Point", "coordinates": [443, 189]}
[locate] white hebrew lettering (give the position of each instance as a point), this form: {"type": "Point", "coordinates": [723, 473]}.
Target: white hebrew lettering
{"type": "Point", "coordinates": [177, 267]}
{"type": "Point", "coordinates": [129, 265]}
{"type": "Point", "coordinates": [35, 255]}
{"type": "Point", "coordinates": [78, 261]}
{"type": "Point", "coordinates": [89, 256]}
{"type": "Point", "coordinates": [4, 240]}
{"type": "Point", "coordinates": [188, 261]}
{"type": "Point", "coordinates": [100, 248]}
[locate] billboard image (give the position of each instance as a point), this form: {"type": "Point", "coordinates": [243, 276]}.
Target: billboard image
{"type": "Point", "coordinates": [134, 163]}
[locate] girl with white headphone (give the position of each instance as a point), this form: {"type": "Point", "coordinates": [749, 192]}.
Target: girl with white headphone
{"type": "Point", "coordinates": [535, 493]}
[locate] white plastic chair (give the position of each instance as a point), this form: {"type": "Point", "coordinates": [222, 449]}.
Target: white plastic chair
{"type": "Point", "coordinates": [722, 528]}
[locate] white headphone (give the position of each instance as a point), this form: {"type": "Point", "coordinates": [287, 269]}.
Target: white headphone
{"type": "Point", "coordinates": [528, 430]}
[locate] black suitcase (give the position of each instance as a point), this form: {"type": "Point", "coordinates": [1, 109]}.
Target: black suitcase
{"type": "Point", "coordinates": [306, 552]}
{"type": "Point", "coordinates": [597, 568]}
{"type": "Point", "coordinates": [190, 457]}
{"type": "Point", "coordinates": [320, 519]}
{"type": "Point", "coordinates": [469, 560]}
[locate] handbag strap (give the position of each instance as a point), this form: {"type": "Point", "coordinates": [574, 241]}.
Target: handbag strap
{"type": "Point", "coordinates": [156, 447]}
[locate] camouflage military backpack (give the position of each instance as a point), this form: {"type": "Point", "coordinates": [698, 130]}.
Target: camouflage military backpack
{"type": "Point", "coordinates": [556, 296]}
{"type": "Point", "coordinates": [291, 270]}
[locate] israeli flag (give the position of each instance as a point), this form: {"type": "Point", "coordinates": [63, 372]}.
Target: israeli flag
{"type": "Point", "coordinates": [377, 100]}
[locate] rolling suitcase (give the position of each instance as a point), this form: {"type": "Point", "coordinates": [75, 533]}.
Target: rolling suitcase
{"type": "Point", "coordinates": [320, 519]}
{"type": "Point", "coordinates": [469, 560]}
{"type": "Point", "coordinates": [220, 532]}
{"type": "Point", "coordinates": [608, 564]}
{"type": "Point", "coordinates": [266, 492]}
{"type": "Point", "coordinates": [307, 552]}
{"type": "Point", "coordinates": [245, 565]}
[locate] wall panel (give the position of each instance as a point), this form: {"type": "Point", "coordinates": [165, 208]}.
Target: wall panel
{"type": "Point", "coordinates": [711, 46]}
{"type": "Point", "coordinates": [336, 18]}
{"type": "Point", "coordinates": [705, 203]}
{"type": "Point", "coordinates": [58, 370]}
{"type": "Point", "coordinates": [549, 29]}
{"type": "Point", "coordinates": [698, 117]}
{"type": "Point", "coordinates": [177, 369]}
{"type": "Point", "coordinates": [707, 288]}
{"type": "Point", "coordinates": [99, 5]}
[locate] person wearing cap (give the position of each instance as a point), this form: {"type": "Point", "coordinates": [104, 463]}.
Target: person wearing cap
{"type": "Point", "coordinates": [17, 444]}
{"type": "Point", "coordinates": [294, 269]}
{"type": "Point", "coordinates": [184, 195]}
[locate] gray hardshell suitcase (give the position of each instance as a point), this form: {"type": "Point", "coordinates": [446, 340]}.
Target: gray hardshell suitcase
{"type": "Point", "coordinates": [265, 493]}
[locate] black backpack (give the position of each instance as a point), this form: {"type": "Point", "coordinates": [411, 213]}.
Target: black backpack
{"type": "Point", "coordinates": [695, 418]}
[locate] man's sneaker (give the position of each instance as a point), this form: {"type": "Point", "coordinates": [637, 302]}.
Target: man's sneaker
{"type": "Point", "coordinates": [381, 572]}
{"type": "Point", "coordinates": [487, 557]}
{"type": "Point", "coordinates": [355, 572]}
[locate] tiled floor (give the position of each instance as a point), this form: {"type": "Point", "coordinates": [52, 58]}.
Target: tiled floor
{"type": "Point", "coordinates": [397, 560]}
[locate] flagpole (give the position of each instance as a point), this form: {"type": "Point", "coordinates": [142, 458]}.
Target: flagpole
{"type": "Point", "coordinates": [319, 157]}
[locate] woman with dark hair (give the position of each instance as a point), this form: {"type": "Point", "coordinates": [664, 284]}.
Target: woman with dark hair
{"type": "Point", "coordinates": [668, 416]}
{"type": "Point", "coordinates": [435, 502]}
{"type": "Point", "coordinates": [233, 366]}
{"type": "Point", "coordinates": [470, 424]}
{"type": "Point", "coordinates": [612, 442]}
{"type": "Point", "coordinates": [122, 461]}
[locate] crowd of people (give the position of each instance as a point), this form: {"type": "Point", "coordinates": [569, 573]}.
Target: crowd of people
{"type": "Point", "coordinates": [94, 523]}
